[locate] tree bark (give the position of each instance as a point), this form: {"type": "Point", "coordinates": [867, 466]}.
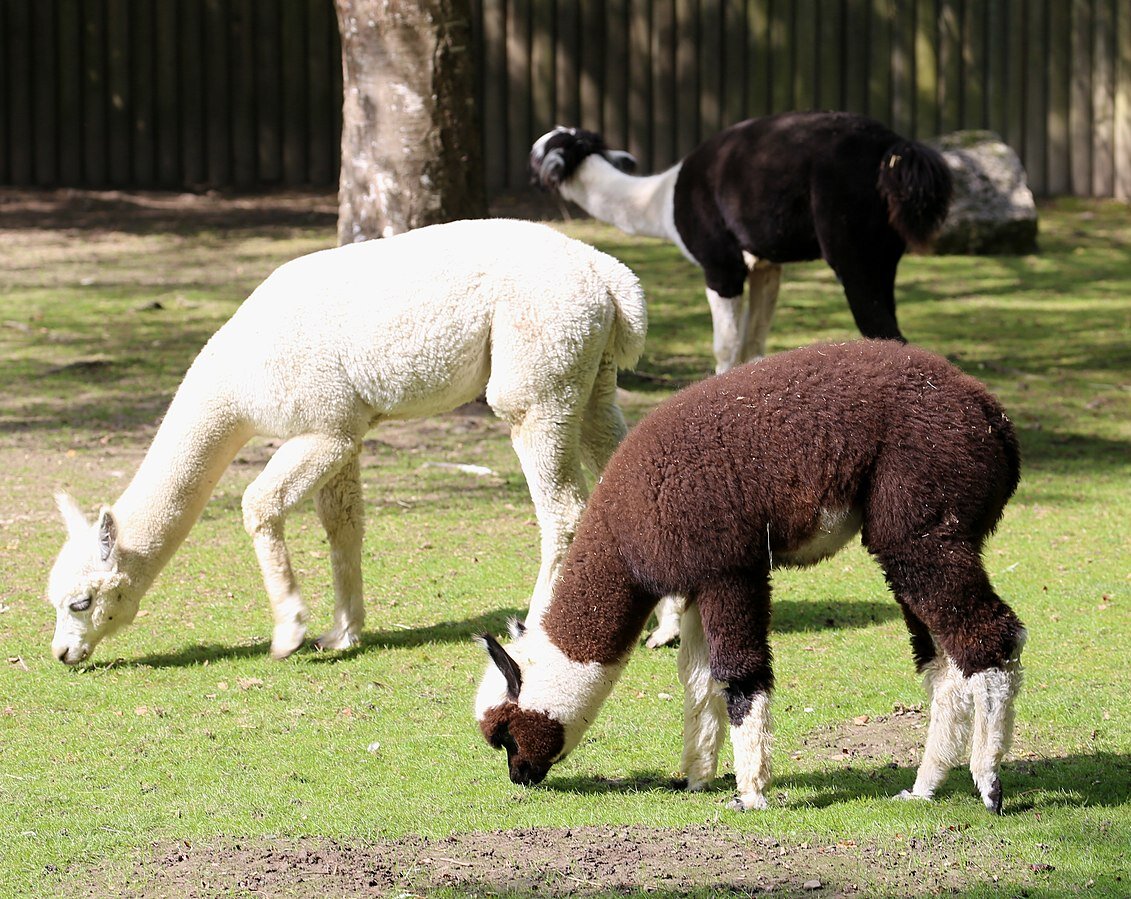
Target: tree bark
{"type": "Point", "coordinates": [410, 135]}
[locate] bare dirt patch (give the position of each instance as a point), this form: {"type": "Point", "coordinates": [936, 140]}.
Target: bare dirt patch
{"type": "Point", "coordinates": [550, 862]}
{"type": "Point", "coordinates": [896, 739]}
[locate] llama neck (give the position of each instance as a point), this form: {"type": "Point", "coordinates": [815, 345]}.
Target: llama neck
{"type": "Point", "coordinates": [635, 205]}
{"type": "Point", "coordinates": [193, 446]}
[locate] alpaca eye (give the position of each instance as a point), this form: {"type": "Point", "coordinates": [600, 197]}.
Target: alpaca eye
{"type": "Point", "coordinates": [81, 605]}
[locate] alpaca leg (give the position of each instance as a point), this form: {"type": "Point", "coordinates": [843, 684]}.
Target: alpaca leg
{"type": "Point", "coordinates": [765, 284]}
{"type": "Point", "coordinates": [342, 512]}
{"type": "Point", "coordinates": [729, 317]}
{"type": "Point", "coordinates": [668, 613]}
{"type": "Point", "coordinates": [298, 468]}
{"type": "Point", "coordinates": [736, 619]}
{"type": "Point", "coordinates": [547, 445]}
{"type": "Point", "coordinates": [993, 692]}
{"type": "Point", "coordinates": [703, 706]}
{"type": "Point", "coordinates": [602, 426]}
{"type": "Point", "coordinates": [948, 733]}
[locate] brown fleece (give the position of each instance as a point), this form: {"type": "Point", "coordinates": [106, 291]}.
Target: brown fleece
{"type": "Point", "coordinates": [731, 474]}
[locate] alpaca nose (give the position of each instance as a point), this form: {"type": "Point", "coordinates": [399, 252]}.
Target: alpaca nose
{"type": "Point", "coordinates": [61, 654]}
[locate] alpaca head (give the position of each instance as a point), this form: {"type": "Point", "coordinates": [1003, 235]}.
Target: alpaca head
{"type": "Point", "coordinates": [536, 703]}
{"type": "Point", "coordinates": [556, 155]}
{"type": "Point", "coordinates": [91, 596]}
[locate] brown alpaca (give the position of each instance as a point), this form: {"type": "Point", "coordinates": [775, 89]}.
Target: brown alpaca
{"type": "Point", "coordinates": [780, 462]}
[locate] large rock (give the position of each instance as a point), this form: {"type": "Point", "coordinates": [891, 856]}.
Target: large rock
{"type": "Point", "coordinates": [992, 212]}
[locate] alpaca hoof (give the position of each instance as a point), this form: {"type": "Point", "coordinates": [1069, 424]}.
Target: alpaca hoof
{"type": "Point", "coordinates": [336, 640]}
{"type": "Point", "coordinates": [908, 796]}
{"type": "Point", "coordinates": [286, 640]}
{"type": "Point", "coordinates": [755, 801]}
{"type": "Point", "coordinates": [992, 798]}
{"type": "Point", "coordinates": [662, 636]}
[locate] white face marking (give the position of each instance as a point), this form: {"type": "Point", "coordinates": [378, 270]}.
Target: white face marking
{"type": "Point", "coordinates": [569, 692]}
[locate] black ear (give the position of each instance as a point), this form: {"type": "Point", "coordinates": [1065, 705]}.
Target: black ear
{"type": "Point", "coordinates": [623, 160]}
{"type": "Point", "coordinates": [515, 628]}
{"type": "Point", "coordinates": [552, 170]}
{"type": "Point", "coordinates": [505, 664]}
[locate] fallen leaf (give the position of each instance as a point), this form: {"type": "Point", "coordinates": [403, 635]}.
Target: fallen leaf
{"type": "Point", "coordinates": [246, 683]}
{"type": "Point", "coordinates": [811, 885]}
{"type": "Point", "coordinates": [861, 720]}
{"type": "Point", "coordinates": [17, 662]}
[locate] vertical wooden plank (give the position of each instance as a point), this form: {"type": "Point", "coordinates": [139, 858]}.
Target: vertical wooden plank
{"type": "Point", "coordinates": [70, 126]}
{"type": "Point", "coordinates": [805, 55]}
{"type": "Point", "coordinates": [1036, 105]}
{"type": "Point", "coordinates": [1080, 98]}
{"type": "Point", "coordinates": [687, 76]}
{"type": "Point", "coordinates": [143, 145]}
{"type": "Point", "coordinates": [830, 59]}
{"type": "Point", "coordinates": [974, 64]}
{"type": "Point", "coordinates": [997, 58]}
{"type": "Point", "coordinates": [710, 69]}
{"type": "Point", "coordinates": [734, 61]}
{"type": "Point", "coordinates": [1102, 102]}
{"type": "Point", "coordinates": [518, 109]}
{"type": "Point", "coordinates": [781, 56]}
{"type": "Point", "coordinates": [1059, 78]}
{"type": "Point", "coordinates": [269, 106]}
{"type": "Point", "coordinates": [665, 149]}
{"type": "Point", "coordinates": [617, 76]}
{"type": "Point", "coordinates": [190, 74]}
{"type": "Point", "coordinates": [16, 43]}
{"type": "Point", "coordinates": [1016, 74]}
{"type": "Point", "coordinates": [168, 116]}
{"type": "Point", "coordinates": [294, 113]}
{"type": "Point", "coordinates": [217, 93]}
{"type": "Point", "coordinates": [566, 68]}
{"type": "Point", "coordinates": [118, 113]}
{"type": "Point", "coordinates": [951, 74]}
{"type": "Point", "coordinates": [493, 63]}
{"type": "Point", "coordinates": [94, 171]}
{"type": "Point", "coordinates": [640, 82]}
{"type": "Point", "coordinates": [759, 58]}
{"type": "Point", "coordinates": [926, 69]}
{"type": "Point", "coordinates": [542, 84]}
{"type": "Point", "coordinates": [44, 96]}
{"type": "Point", "coordinates": [903, 67]}
{"type": "Point", "coordinates": [337, 93]}
{"type": "Point", "coordinates": [593, 68]}
{"type": "Point", "coordinates": [856, 55]}
{"type": "Point", "coordinates": [245, 154]}
{"type": "Point", "coordinates": [880, 56]}
{"type": "Point", "coordinates": [1123, 102]}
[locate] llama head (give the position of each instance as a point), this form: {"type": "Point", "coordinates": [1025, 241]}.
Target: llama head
{"type": "Point", "coordinates": [536, 703]}
{"type": "Point", "coordinates": [556, 155]}
{"type": "Point", "coordinates": [91, 595]}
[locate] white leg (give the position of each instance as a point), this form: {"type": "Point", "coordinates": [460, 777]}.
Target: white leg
{"type": "Point", "coordinates": [668, 612]}
{"type": "Point", "coordinates": [948, 733]}
{"type": "Point", "coordinates": [547, 446]}
{"type": "Point", "coordinates": [993, 692]}
{"type": "Point", "coordinates": [751, 740]}
{"type": "Point", "coordinates": [765, 283]}
{"type": "Point", "coordinates": [342, 512]}
{"type": "Point", "coordinates": [298, 468]}
{"type": "Point", "coordinates": [602, 427]}
{"type": "Point", "coordinates": [704, 708]}
{"type": "Point", "coordinates": [729, 322]}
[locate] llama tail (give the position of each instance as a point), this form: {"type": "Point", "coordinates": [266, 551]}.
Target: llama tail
{"type": "Point", "coordinates": [631, 322]}
{"type": "Point", "coordinates": [915, 181]}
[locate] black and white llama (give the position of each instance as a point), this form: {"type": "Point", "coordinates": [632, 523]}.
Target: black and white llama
{"type": "Point", "coordinates": [780, 462]}
{"type": "Point", "coordinates": [784, 188]}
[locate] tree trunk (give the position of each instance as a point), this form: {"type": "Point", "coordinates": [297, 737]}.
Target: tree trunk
{"type": "Point", "coordinates": [410, 134]}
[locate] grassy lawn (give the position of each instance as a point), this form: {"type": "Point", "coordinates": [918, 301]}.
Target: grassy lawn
{"type": "Point", "coordinates": [183, 744]}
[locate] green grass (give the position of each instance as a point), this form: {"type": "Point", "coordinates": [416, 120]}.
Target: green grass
{"type": "Point", "coordinates": [184, 729]}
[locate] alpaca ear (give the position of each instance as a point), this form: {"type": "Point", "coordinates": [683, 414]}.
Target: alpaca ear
{"type": "Point", "coordinates": [515, 628]}
{"type": "Point", "coordinates": [622, 160]}
{"type": "Point", "coordinates": [507, 665]}
{"type": "Point", "coordinates": [73, 516]}
{"type": "Point", "coordinates": [107, 536]}
{"type": "Point", "coordinates": [551, 171]}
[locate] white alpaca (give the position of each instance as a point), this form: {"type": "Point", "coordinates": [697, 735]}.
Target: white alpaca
{"type": "Point", "coordinates": [327, 347]}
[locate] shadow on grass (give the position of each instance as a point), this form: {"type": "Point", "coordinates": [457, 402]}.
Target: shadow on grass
{"type": "Point", "coordinates": [1101, 780]}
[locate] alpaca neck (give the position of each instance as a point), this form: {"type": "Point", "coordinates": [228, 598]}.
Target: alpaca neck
{"type": "Point", "coordinates": [193, 446]}
{"type": "Point", "coordinates": [635, 205]}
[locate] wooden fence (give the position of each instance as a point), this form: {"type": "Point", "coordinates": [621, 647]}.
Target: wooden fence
{"type": "Point", "coordinates": [247, 93]}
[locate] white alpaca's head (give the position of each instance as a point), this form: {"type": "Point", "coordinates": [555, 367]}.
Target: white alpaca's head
{"type": "Point", "coordinates": [536, 703]}
{"type": "Point", "coordinates": [91, 596]}
{"type": "Point", "coordinates": [556, 155]}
